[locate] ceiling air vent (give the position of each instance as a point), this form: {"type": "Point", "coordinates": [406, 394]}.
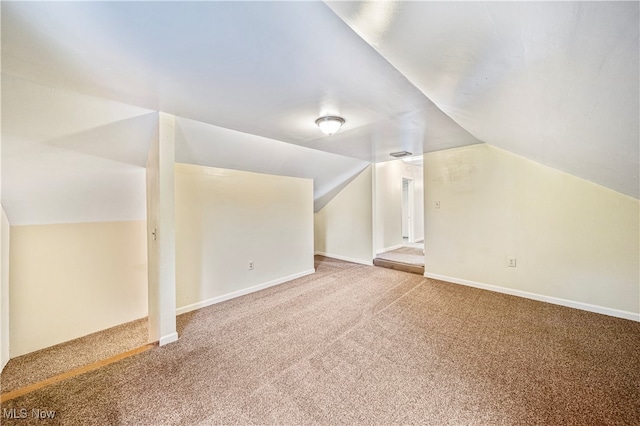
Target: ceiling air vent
{"type": "Point", "coordinates": [401, 154]}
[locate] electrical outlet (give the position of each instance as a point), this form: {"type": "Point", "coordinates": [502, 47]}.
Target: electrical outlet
{"type": "Point", "coordinates": [437, 203]}
{"type": "Point", "coordinates": [251, 265]}
{"type": "Point", "coordinates": [511, 262]}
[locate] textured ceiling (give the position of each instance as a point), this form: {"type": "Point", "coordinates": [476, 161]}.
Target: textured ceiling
{"type": "Point", "coordinates": [556, 82]}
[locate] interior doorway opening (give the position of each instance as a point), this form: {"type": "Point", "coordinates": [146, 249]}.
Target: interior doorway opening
{"type": "Point", "coordinates": [407, 211]}
{"type": "Point", "coordinates": [399, 215]}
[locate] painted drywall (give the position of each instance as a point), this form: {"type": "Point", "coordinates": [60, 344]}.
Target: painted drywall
{"type": "Point", "coordinates": [574, 241]}
{"type": "Point", "coordinates": [343, 229]}
{"type": "Point", "coordinates": [161, 233]}
{"type": "Point", "coordinates": [228, 218]}
{"type": "Point", "coordinates": [207, 145]}
{"type": "Point", "coordinates": [71, 158]}
{"type": "Point", "coordinates": [553, 81]}
{"type": "Point", "coordinates": [4, 291]}
{"type": "Point", "coordinates": [388, 203]}
{"type": "Point", "coordinates": [70, 280]}
{"type": "Point", "coordinates": [263, 68]}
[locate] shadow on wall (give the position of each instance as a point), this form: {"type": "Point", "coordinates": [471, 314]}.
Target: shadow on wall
{"type": "Point", "coordinates": [203, 144]}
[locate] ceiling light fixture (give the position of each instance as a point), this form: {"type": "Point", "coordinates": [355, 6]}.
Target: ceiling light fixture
{"type": "Point", "coordinates": [401, 154]}
{"type": "Point", "coordinates": [330, 124]}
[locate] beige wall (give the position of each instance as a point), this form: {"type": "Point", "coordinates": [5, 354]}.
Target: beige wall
{"type": "Point", "coordinates": [70, 280]}
{"type": "Point", "coordinates": [388, 203]}
{"type": "Point", "coordinates": [227, 218]}
{"type": "Point", "coordinates": [344, 228]}
{"type": "Point", "coordinates": [4, 291]}
{"type": "Point", "coordinates": [576, 243]}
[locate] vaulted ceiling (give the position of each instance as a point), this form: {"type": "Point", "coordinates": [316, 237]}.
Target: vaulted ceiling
{"type": "Point", "coordinates": [556, 82]}
{"type": "Point", "coordinates": [81, 82]}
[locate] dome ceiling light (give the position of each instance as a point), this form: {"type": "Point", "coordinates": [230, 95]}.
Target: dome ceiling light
{"type": "Point", "coordinates": [330, 124]}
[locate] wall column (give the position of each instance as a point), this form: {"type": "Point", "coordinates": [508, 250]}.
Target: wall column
{"type": "Point", "coordinates": [161, 233]}
{"type": "Point", "coordinates": [4, 291]}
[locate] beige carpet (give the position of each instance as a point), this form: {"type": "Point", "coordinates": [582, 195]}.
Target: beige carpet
{"type": "Point", "coordinates": [408, 255]}
{"type": "Point", "coordinates": [354, 344]}
{"type": "Point", "coordinates": [40, 365]}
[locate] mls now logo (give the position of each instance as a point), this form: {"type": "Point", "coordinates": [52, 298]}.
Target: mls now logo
{"type": "Point", "coordinates": [23, 413]}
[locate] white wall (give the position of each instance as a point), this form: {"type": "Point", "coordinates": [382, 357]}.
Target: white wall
{"type": "Point", "coordinates": [576, 243]}
{"type": "Point", "coordinates": [344, 228]}
{"type": "Point", "coordinates": [161, 246]}
{"type": "Point", "coordinates": [69, 157]}
{"type": "Point", "coordinates": [227, 218]}
{"type": "Point", "coordinates": [388, 203]}
{"type": "Point", "coordinates": [70, 280]}
{"type": "Point", "coordinates": [4, 291]}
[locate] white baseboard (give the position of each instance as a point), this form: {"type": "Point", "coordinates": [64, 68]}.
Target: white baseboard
{"type": "Point", "coordinates": [345, 258]}
{"type": "Point", "coordinates": [169, 338]}
{"type": "Point", "coordinates": [539, 297]}
{"type": "Point", "coordinates": [218, 299]}
{"type": "Point", "coordinates": [389, 248]}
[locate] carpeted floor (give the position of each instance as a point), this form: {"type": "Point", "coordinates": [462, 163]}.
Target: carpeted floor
{"type": "Point", "coordinates": [408, 255]}
{"type": "Point", "coordinates": [356, 344]}
{"type": "Point", "coordinates": [40, 365]}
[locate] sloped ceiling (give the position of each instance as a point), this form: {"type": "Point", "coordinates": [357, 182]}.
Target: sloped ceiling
{"type": "Point", "coordinates": [267, 69]}
{"type": "Point", "coordinates": [207, 145]}
{"type": "Point", "coordinates": [264, 68]}
{"type": "Point", "coordinates": [69, 157]}
{"type": "Point", "coordinates": [554, 82]}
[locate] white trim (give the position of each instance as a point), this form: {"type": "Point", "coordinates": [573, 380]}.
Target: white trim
{"type": "Point", "coordinates": [345, 258]}
{"type": "Point", "coordinates": [218, 299]}
{"type": "Point", "coordinates": [169, 338]}
{"type": "Point", "coordinates": [539, 297]}
{"type": "Point", "coordinates": [389, 248]}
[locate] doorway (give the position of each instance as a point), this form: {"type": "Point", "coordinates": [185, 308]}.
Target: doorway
{"type": "Point", "coordinates": [407, 211]}
{"type": "Point", "coordinates": [399, 216]}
